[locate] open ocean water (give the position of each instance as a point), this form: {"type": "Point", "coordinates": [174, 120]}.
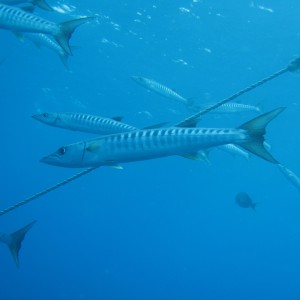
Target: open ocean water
{"type": "Point", "coordinates": [168, 228]}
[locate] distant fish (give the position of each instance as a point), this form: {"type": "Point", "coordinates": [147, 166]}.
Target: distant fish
{"type": "Point", "coordinates": [160, 89]}
{"type": "Point", "coordinates": [243, 200]}
{"type": "Point", "coordinates": [18, 20]}
{"type": "Point", "coordinates": [41, 39]}
{"type": "Point", "coordinates": [291, 176]}
{"type": "Point", "coordinates": [234, 150]}
{"type": "Point", "coordinates": [228, 108]}
{"type": "Point", "coordinates": [84, 123]}
{"type": "Point", "coordinates": [155, 143]}
{"type": "Point", "coordinates": [40, 3]}
{"type": "Point", "coordinates": [14, 240]}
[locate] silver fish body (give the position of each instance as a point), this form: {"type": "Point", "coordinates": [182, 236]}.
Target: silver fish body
{"type": "Point", "coordinates": [143, 145]}
{"type": "Point", "coordinates": [234, 150]}
{"type": "Point", "coordinates": [41, 39]}
{"type": "Point", "coordinates": [84, 122]}
{"type": "Point", "coordinates": [228, 108]}
{"type": "Point", "coordinates": [18, 20]}
{"type": "Point", "coordinates": [290, 175]}
{"type": "Point", "coordinates": [40, 3]}
{"type": "Point", "coordinates": [154, 143]}
{"type": "Point", "coordinates": [160, 89]}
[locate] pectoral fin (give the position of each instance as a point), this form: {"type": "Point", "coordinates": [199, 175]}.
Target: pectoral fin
{"type": "Point", "coordinates": [93, 147]}
{"type": "Point", "coordinates": [200, 155]}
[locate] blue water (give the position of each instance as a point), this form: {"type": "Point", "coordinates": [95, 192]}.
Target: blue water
{"type": "Point", "coordinates": [167, 228]}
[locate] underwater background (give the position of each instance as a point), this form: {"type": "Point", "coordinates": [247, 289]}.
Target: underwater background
{"type": "Point", "coordinates": [166, 228]}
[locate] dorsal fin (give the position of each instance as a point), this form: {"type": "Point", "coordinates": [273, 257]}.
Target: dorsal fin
{"type": "Point", "coordinates": [117, 118]}
{"type": "Point", "coordinates": [158, 125]}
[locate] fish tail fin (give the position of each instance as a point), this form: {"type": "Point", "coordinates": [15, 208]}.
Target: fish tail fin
{"type": "Point", "coordinates": [64, 59]}
{"type": "Point", "coordinates": [253, 206]}
{"type": "Point", "coordinates": [66, 31]}
{"type": "Point", "coordinates": [256, 128]}
{"type": "Point", "coordinates": [42, 4]}
{"type": "Point", "coordinates": [16, 241]}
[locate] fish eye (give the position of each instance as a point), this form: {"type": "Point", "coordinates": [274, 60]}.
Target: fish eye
{"type": "Point", "coordinates": [46, 115]}
{"type": "Point", "coordinates": [62, 150]}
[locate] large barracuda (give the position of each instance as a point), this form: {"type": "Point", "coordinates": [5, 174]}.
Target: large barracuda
{"type": "Point", "coordinates": [146, 144]}
{"type": "Point", "coordinates": [160, 89]}
{"type": "Point", "coordinates": [18, 20]}
{"type": "Point", "coordinates": [84, 123]}
{"type": "Point", "coordinates": [14, 240]}
{"type": "Point", "coordinates": [40, 3]}
{"type": "Point", "coordinates": [105, 126]}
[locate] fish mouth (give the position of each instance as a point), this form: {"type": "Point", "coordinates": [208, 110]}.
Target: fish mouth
{"type": "Point", "coordinates": [36, 117]}
{"type": "Point", "coordinates": [50, 160]}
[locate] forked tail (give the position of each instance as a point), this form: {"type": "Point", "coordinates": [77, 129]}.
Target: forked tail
{"type": "Point", "coordinates": [42, 4]}
{"type": "Point", "coordinates": [16, 239]}
{"type": "Point", "coordinates": [66, 31]}
{"type": "Point", "coordinates": [256, 128]}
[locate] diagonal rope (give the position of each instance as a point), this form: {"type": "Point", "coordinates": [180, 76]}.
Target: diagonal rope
{"type": "Point", "coordinates": [47, 190]}
{"type": "Point", "coordinates": [294, 66]}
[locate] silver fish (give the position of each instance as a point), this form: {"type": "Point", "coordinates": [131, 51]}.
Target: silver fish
{"type": "Point", "coordinates": [84, 123]}
{"type": "Point", "coordinates": [41, 39]}
{"type": "Point", "coordinates": [160, 89]}
{"type": "Point", "coordinates": [233, 149]}
{"type": "Point", "coordinates": [228, 108]}
{"type": "Point", "coordinates": [14, 240]}
{"type": "Point", "coordinates": [18, 20]}
{"type": "Point", "coordinates": [40, 3]}
{"type": "Point", "coordinates": [155, 143]}
{"type": "Point", "coordinates": [291, 176]}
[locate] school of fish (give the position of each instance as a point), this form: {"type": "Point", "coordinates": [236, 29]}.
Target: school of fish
{"type": "Point", "coordinates": [117, 142]}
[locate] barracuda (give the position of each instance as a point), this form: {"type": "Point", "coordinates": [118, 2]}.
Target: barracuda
{"type": "Point", "coordinates": [155, 143]}
{"type": "Point", "coordinates": [17, 20]}
{"type": "Point", "coordinates": [160, 89]}
{"type": "Point", "coordinates": [84, 123]}
{"type": "Point", "coordinates": [228, 108]}
{"type": "Point", "coordinates": [41, 39]}
{"type": "Point", "coordinates": [40, 3]}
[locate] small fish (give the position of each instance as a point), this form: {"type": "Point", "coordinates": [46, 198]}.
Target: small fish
{"type": "Point", "coordinates": [291, 176]}
{"type": "Point", "coordinates": [14, 240]}
{"type": "Point", "coordinates": [228, 108]}
{"type": "Point", "coordinates": [243, 200]}
{"type": "Point", "coordinates": [18, 20]}
{"type": "Point", "coordinates": [234, 150]}
{"type": "Point", "coordinates": [40, 3]}
{"type": "Point", "coordinates": [84, 123]}
{"type": "Point", "coordinates": [41, 39]}
{"type": "Point", "coordinates": [160, 89]}
{"type": "Point", "coordinates": [155, 143]}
